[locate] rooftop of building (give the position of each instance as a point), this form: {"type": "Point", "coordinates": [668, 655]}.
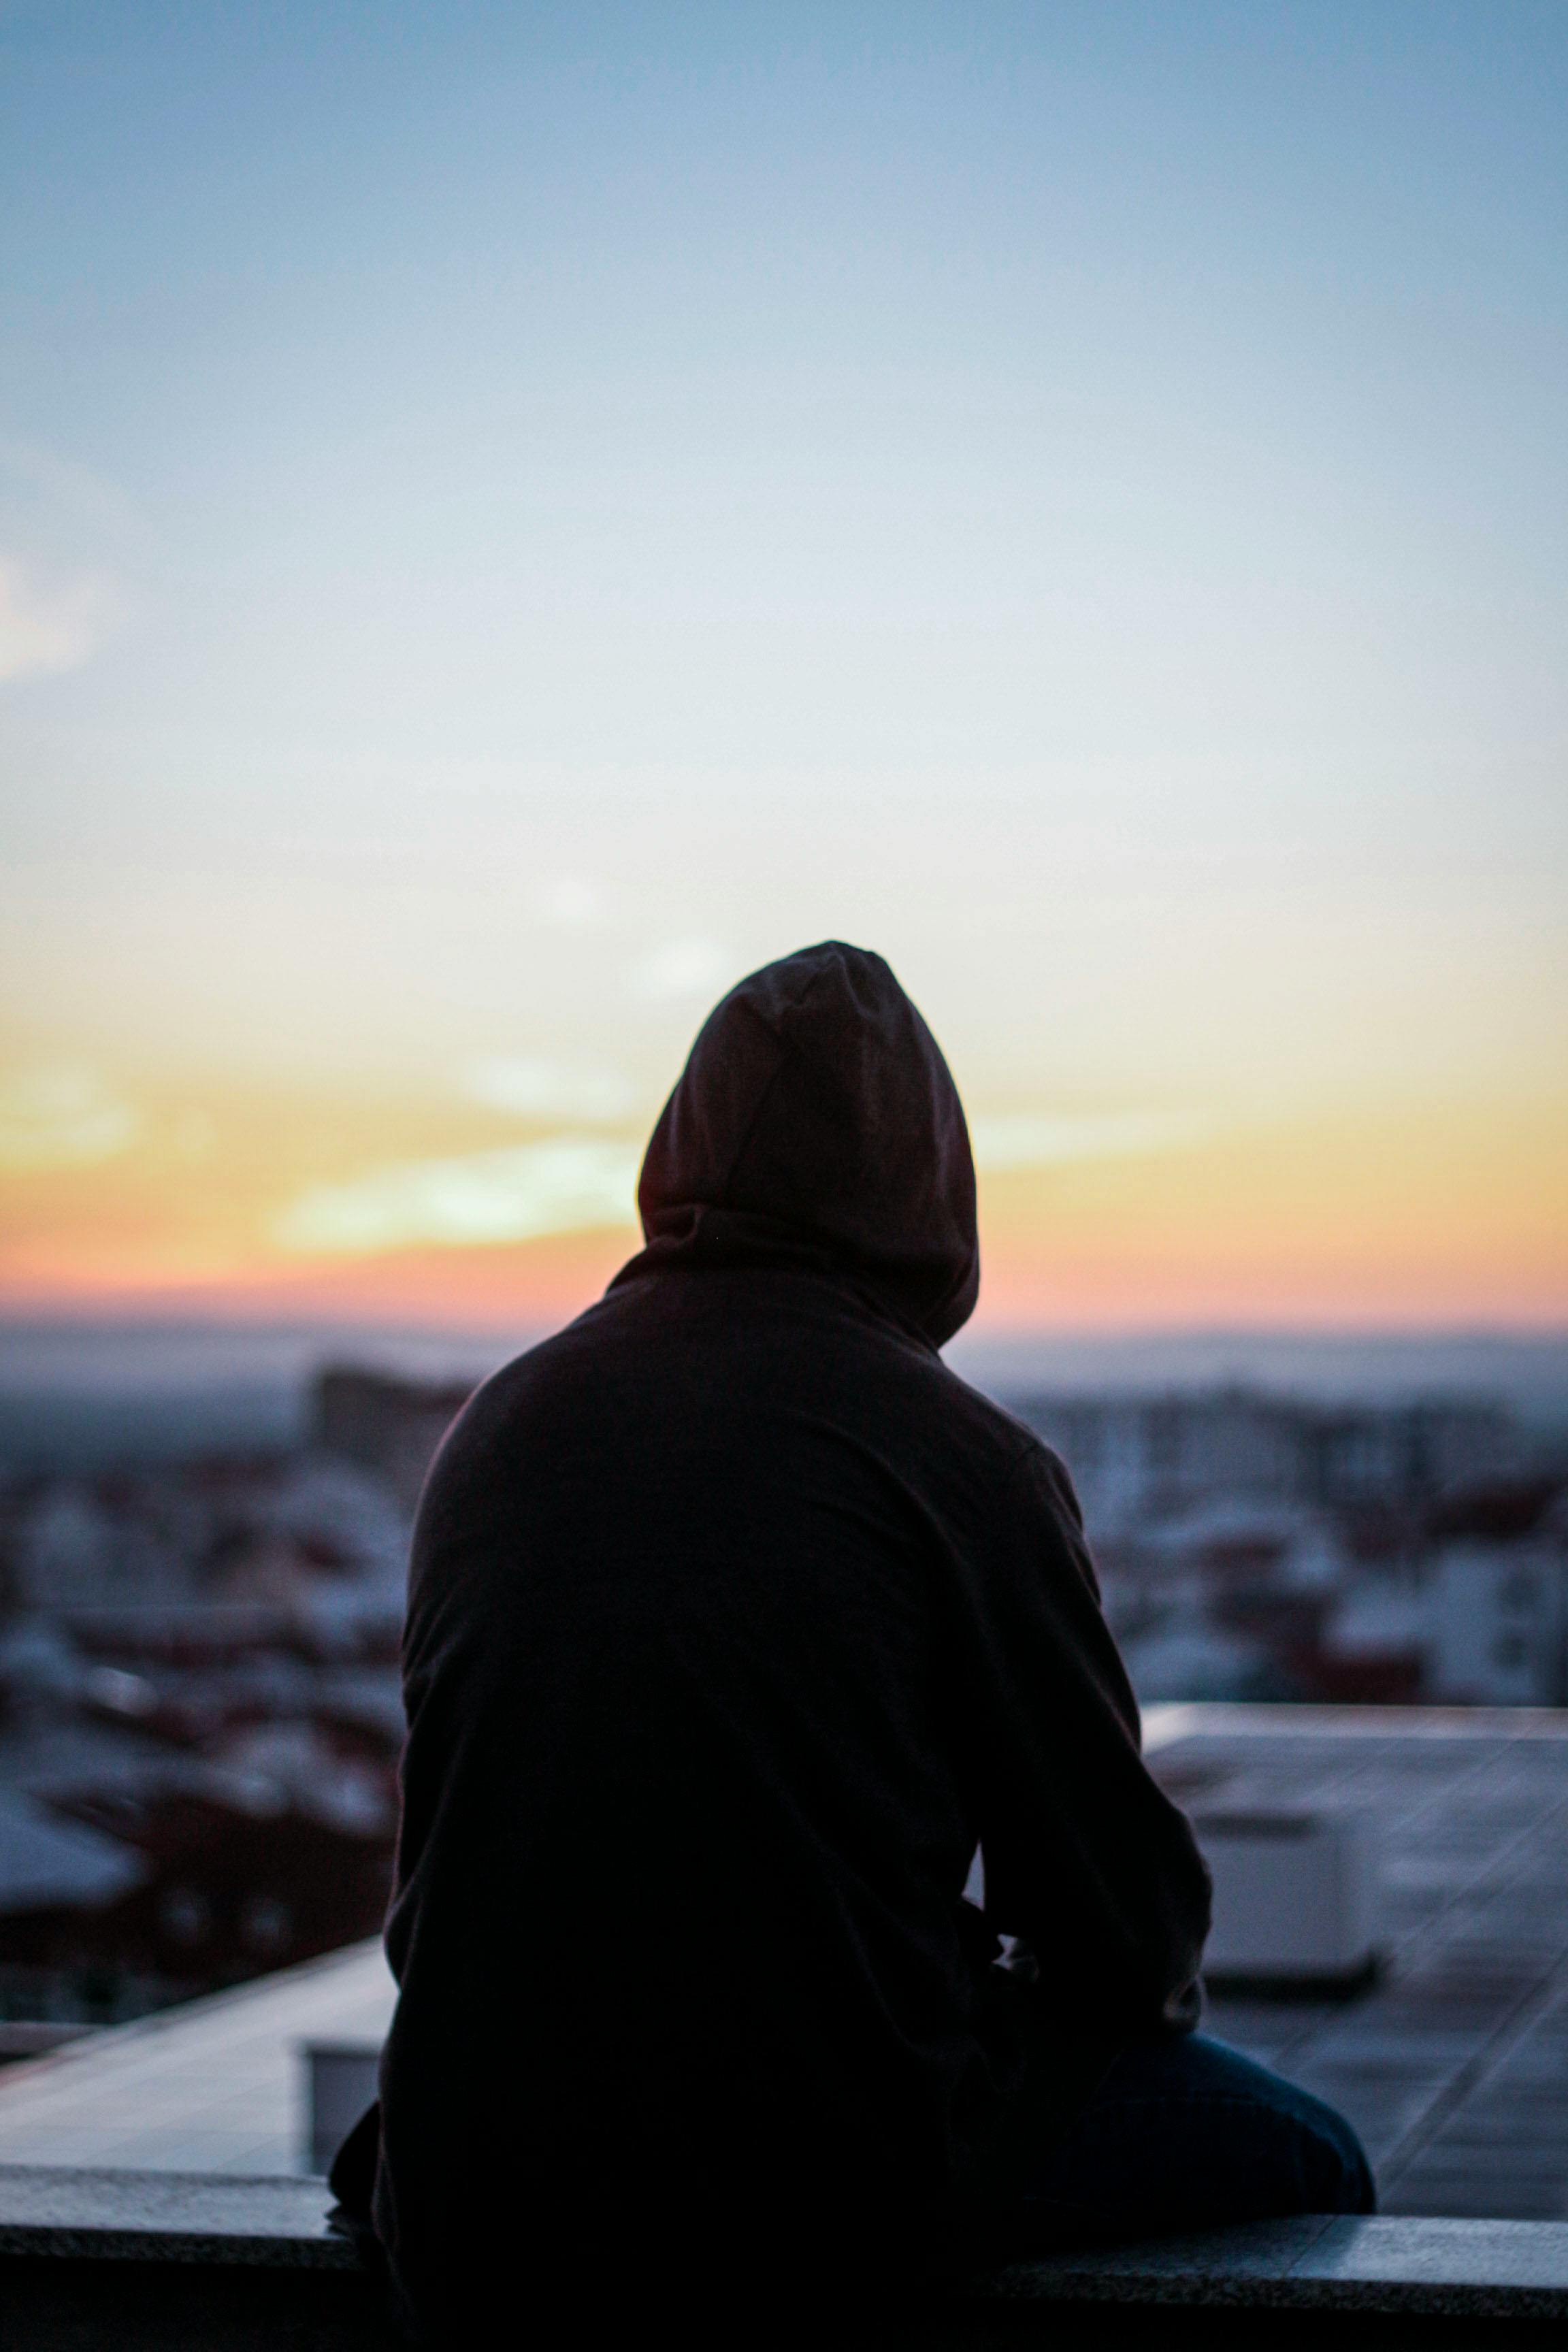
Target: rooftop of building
{"type": "Point", "coordinates": [215, 2086]}
{"type": "Point", "coordinates": [1454, 2066]}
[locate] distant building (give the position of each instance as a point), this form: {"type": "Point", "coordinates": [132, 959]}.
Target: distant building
{"type": "Point", "coordinates": [389, 1425]}
{"type": "Point", "coordinates": [1497, 1625]}
{"type": "Point", "coordinates": [1376, 1646]}
{"type": "Point", "coordinates": [1498, 1598]}
{"type": "Point", "coordinates": [1407, 1454]}
{"type": "Point", "coordinates": [1140, 1457]}
{"type": "Point", "coordinates": [1258, 1546]}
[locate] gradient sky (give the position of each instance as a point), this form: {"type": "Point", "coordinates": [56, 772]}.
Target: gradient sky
{"type": "Point", "coordinates": [512, 515]}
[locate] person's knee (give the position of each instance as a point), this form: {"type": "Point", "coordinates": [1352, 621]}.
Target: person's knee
{"type": "Point", "coordinates": [1337, 2177]}
{"type": "Point", "coordinates": [1291, 2151]}
{"type": "Point", "coordinates": [1309, 2149]}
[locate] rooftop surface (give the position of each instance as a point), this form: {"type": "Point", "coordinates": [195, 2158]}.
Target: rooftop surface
{"type": "Point", "coordinates": [213, 2085]}
{"type": "Point", "coordinates": [1454, 2067]}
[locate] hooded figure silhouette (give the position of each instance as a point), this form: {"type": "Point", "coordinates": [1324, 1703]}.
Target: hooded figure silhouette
{"type": "Point", "coordinates": [736, 1620]}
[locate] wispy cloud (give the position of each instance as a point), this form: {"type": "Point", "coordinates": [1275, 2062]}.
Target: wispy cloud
{"type": "Point", "coordinates": [575, 1182]}
{"type": "Point", "coordinates": [1001, 1144]}
{"type": "Point", "coordinates": [571, 1184]}
{"type": "Point", "coordinates": [692, 967]}
{"type": "Point", "coordinates": [57, 629]}
{"type": "Point", "coordinates": [550, 1090]}
{"type": "Point", "coordinates": [62, 1118]}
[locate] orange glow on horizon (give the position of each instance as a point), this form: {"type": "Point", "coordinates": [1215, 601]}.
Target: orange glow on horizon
{"type": "Point", "coordinates": [1429, 1218]}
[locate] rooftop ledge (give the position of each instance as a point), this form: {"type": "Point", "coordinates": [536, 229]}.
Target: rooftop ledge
{"type": "Point", "coordinates": [204, 2244]}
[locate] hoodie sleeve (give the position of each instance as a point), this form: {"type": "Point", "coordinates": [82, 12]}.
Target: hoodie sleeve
{"type": "Point", "coordinates": [1087, 1859]}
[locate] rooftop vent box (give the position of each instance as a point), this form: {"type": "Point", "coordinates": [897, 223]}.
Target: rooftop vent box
{"type": "Point", "coordinates": [340, 2083]}
{"type": "Point", "coordinates": [1292, 1902]}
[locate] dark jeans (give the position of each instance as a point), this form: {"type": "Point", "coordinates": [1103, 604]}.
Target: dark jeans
{"type": "Point", "coordinates": [1186, 2135]}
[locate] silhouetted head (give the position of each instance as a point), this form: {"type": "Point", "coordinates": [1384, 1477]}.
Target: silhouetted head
{"type": "Point", "coordinates": [815, 1123]}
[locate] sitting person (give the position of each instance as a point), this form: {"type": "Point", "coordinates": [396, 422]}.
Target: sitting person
{"type": "Point", "coordinates": [737, 1621]}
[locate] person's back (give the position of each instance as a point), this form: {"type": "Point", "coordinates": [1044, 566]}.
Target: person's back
{"type": "Point", "coordinates": [736, 1620]}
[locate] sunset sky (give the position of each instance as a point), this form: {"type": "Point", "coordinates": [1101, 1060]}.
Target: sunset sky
{"type": "Point", "coordinates": [512, 515]}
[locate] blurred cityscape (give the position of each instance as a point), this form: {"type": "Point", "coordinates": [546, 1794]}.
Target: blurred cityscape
{"type": "Point", "coordinates": [1253, 1547]}
{"type": "Point", "coordinates": [200, 1712]}
{"type": "Point", "coordinates": [200, 1709]}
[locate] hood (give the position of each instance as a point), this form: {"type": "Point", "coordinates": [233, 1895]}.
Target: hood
{"type": "Point", "coordinates": [817, 1123]}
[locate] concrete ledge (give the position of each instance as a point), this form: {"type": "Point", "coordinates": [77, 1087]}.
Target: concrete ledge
{"type": "Point", "coordinates": [50, 2213]}
{"type": "Point", "coordinates": [79, 2253]}
{"type": "Point", "coordinates": [161, 2262]}
{"type": "Point", "coordinates": [1409, 2269]}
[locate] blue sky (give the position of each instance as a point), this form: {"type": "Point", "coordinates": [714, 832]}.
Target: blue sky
{"type": "Point", "coordinates": [1184, 378]}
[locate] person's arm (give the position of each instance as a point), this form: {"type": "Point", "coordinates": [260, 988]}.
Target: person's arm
{"type": "Point", "coordinates": [1086, 1858]}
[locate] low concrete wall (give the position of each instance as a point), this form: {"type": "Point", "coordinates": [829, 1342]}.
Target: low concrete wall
{"type": "Point", "coordinates": [126, 2262]}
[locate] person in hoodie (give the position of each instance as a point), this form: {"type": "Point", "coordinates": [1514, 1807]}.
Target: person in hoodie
{"type": "Point", "coordinates": [737, 1621]}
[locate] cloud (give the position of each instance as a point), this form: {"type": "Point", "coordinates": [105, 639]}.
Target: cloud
{"type": "Point", "coordinates": [42, 631]}
{"type": "Point", "coordinates": [694, 967]}
{"type": "Point", "coordinates": [550, 1090]}
{"type": "Point", "coordinates": [61, 1117]}
{"type": "Point", "coordinates": [569, 1184]}
{"type": "Point", "coordinates": [575, 1184]}
{"type": "Point", "coordinates": [1003, 1144]}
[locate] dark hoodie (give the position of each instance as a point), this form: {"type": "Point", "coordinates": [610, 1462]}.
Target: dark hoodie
{"type": "Point", "coordinates": [736, 1620]}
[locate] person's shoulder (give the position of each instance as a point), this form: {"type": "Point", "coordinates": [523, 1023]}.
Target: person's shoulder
{"type": "Point", "coordinates": [973, 1410]}
{"type": "Point", "coordinates": [986, 1422]}
{"type": "Point", "coordinates": [891, 1361]}
{"type": "Point", "coordinates": [1023, 1448]}
{"type": "Point", "coordinates": [1021, 1473]}
{"type": "Point", "coordinates": [546, 1367]}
